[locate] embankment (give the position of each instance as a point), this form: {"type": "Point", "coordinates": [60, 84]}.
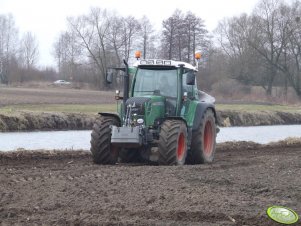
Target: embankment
{"type": "Point", "coordinates": [26, 121]}
{"type": "Point", "coordinates": [259, 118]}
{"type": "Point", "coordinates": [45, 121]}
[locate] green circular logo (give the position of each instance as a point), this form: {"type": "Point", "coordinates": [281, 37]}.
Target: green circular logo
{"type": "Point", "coordinates": [282, 215]}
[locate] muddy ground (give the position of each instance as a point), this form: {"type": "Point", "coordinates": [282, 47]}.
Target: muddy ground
{"type": "Point", "coordinates": [66, 188]}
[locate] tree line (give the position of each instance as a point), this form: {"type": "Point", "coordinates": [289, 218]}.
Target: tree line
{"type": "Point", "coordinates": [264, 48]}
{"type": "Point", "coordinates": [101, 39]}
{"type": "Point", "coordinates": [259, 49]}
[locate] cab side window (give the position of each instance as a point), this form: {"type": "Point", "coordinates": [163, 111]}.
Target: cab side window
{"type": "Point", "coordinates": [187, 88]}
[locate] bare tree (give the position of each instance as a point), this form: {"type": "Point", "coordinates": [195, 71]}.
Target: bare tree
{"type": "Point", "coordinates": [290, 62]}
{"type": "Point", "coordinates": [92, 31]}
{"type": "Point", "coordinates": [255, 44]}
{"type": "Point", "coordinates": [148, 37]}
{"type": "Point", "coordinates": [243, 61]}
{"type": "Point", "coordinates": [58, 51]}
{"type": "Point", "coordinates": [168, 37]}
{"type": "Point", "coordinates": [115, 38]}
{"type": "Point", "coordinates": [29, 50]}
{"type": "Point", "coordinates": [196, 36]}
{"type": "Point", "coordinates": [8, 46]}
{"type": "Point", "coordinates": [131, 28]}
{"type": "Point", "coordinates": [68, 54]}
{"type": "Point", "coordinates": [182, 35]}
{"type": "Point", "coordinates": [178, 18]}
{"type": "Point", "coordinates": [267, 38]}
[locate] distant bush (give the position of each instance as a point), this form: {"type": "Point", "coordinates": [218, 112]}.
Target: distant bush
{"type": "Point", "coordinates": [230, 88]}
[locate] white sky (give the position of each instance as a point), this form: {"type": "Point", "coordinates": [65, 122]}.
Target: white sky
{"type": "Point", "coordinates": [47, 18]}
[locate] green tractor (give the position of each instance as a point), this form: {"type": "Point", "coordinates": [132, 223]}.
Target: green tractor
{"type": "Point", "coordinates": [163, 118]}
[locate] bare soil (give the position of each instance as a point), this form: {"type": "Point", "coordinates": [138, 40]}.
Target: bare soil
{"type": "Point", "coordinates": [66, 188]}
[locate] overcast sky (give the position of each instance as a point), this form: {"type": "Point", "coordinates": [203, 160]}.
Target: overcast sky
{"type": "Point", "coordinates": [47, 18]}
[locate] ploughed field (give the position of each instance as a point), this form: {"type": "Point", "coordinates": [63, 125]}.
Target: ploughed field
{"type": "Point", "coordinates": [66, 188]}
{"type": "Point", "coordinates": [22, 96]}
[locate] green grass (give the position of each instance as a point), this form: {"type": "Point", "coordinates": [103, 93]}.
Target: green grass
{"type": "Point", "coordinates": [93, 109]}
{"type": "Point", "coordinates": [254, 107]}
{"type": "Point", "coordinates": [70, 108]}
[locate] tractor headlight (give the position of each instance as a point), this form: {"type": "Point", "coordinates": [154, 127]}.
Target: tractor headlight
{"type": "Point", "coordinates": [140, 121]}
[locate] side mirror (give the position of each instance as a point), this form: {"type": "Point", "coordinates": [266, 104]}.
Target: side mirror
{"type": "Point", "coordinates": [109, 76]}
{"type": "Point", "coordinates": [190, 79]}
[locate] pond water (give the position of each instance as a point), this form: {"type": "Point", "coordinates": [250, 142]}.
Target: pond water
{"type": "Point", "coordinates": [80, 139]}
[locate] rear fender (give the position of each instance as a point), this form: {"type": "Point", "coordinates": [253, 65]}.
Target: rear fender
{"type": "Point", "coordinates": [116, 116]}
{"type": "Point", "coordinates": [200, 111]}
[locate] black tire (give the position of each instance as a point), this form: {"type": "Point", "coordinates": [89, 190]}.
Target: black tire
{"type": "Point", "coordinates": [102, 150]}
{"type": "Point", "coordinates": [129, 155]}
{"type": "Point", "coordinates": [203, 140]}
{"type": "Point", "coordinates": [172, 144]}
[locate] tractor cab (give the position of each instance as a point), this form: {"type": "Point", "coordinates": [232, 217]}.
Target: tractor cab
{"type": "Point", "coordinates": [173, 81]}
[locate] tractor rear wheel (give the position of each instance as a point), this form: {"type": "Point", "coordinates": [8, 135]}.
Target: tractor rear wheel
{"type": "Point", "coordinates": [203, 140]}
{"type": "Point", "coordinates": [172, 144]}
{"type": "Point", "coordinates": [103, 152]}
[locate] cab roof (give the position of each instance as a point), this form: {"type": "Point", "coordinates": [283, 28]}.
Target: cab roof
{"type": "Point", "coordinates": [163, 63]}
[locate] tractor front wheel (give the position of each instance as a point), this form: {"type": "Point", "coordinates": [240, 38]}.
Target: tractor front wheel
{"type": "Point", "coordinates": [172, 144]}
{"type": "Point", "coordinates": [103, 152]}
{"type": "Point", "coordinates": [203, 140]}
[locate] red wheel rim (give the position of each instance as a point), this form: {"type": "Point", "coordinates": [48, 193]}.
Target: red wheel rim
{"type": "Point", "coordinates": [208, 138]}
{"type": "Point", "coordinates": [181, 147]}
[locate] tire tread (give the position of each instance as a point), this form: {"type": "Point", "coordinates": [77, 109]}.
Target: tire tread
{"type": "Point", "coordinates": [101, 140]}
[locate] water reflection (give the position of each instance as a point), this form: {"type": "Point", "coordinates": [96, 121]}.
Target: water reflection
{"type": "Point", "coordinates": [81, 139]}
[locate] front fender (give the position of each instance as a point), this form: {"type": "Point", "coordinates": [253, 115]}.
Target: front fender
{"type": "Point", "coordinates": [111, 114]}
{"type": "Point", "coordinates": [177, 118]}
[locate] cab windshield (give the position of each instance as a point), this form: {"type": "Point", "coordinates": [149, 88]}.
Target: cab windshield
{"type": "Point", "coordinates": [156, 82]}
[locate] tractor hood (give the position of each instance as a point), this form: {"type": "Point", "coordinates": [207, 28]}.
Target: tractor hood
{"type": "Point", "coordinates": [149, 108]}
